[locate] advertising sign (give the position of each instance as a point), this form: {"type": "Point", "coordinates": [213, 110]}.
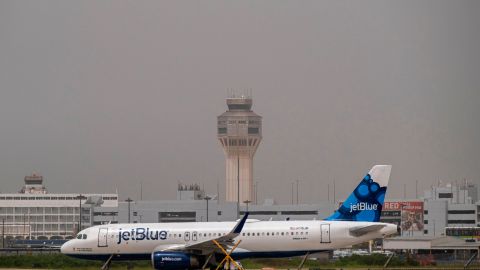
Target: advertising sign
{"type": "Point", "coordinates": [411, 213]}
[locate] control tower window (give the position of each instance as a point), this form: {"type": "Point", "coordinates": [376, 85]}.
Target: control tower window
{"type": "Point", "coordinates": [222, 130]}
{"type": "Point", "coordinates": [252, 130]}
{"type": "Point", "coordinates": [239, 106]}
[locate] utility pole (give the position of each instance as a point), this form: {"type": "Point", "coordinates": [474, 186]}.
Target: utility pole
{"type": "Point", "coordinates": [128, 200]}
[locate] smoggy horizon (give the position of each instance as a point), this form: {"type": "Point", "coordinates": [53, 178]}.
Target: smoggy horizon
{"type": "Point", "coordinates": [100, 96]}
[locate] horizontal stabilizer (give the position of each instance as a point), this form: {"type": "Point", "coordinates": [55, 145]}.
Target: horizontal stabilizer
{"type": "Point", "coordinates": [361, 230]}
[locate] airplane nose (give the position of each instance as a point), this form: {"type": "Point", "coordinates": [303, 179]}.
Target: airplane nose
{"type": "Point", "coordinates": [64, 247]}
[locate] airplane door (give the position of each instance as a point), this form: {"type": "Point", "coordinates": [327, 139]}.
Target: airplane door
{"type": "Point", "coordinates": [102, 237]}
{"type": "Point", "coordinates": [187, 236]}
{"type": "Point", "coordinates": [194, 236]}
{"type": "Point", "coordinates": [324, 233]}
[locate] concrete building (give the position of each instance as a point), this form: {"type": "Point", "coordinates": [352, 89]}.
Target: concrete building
{"type": "Point", "coordinates": [239, 132]}
{"type": "Point", "coordinates": [190, 192]}
{"type": "Point", "coordinates": [435, 250]}
{"type": "Point", "coordinates": [450, 206]}
{"type": "Point", "coordinates": [190, 208]}
{"type": "Point", "coordinates": [478, 213]}
{"type": "Point", "coordinates": [36, 214]}
{"type": "Point", "coordinates": [196, 210]}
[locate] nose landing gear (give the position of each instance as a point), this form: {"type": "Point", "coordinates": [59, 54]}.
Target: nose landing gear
{"type": "Point", "coordinates": [106, 265]}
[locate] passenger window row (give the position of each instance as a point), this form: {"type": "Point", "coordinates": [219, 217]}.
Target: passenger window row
{"type": "Point", "coordinates": [174, 235]}
{"type": "Point", "coordinates": [274, 233]}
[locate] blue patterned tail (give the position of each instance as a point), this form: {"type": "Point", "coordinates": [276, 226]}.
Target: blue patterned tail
{"type": "Point", "coordinates": [366, 201]}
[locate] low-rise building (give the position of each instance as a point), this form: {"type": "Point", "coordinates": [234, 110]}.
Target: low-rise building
{"type": "Point", "coordinates": [34, 213]}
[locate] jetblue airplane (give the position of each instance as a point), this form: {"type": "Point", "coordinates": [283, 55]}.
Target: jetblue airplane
{"type": "Point", "coordinates": [191, 245]}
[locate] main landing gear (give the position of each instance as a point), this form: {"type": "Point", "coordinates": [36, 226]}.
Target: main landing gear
{"type": "Point", "coordinates": [303, 261]}
{"type": "Point", "coordinates": [228, 260]}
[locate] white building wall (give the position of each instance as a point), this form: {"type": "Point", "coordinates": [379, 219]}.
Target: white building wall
{"type": "Point", "coordinates": [245, 177]}
{"type": "Point", "coordinates": [461, 215]}
{"type": "Point", "coordinates": [435, 217]}
{"type": "Point", "coordinates": [48, 214]}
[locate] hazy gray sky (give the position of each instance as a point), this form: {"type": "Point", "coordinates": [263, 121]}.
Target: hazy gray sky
{"type": "Point", "coordinates": [99, 95]}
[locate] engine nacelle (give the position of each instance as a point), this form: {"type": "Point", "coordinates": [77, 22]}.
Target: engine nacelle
{"type": "Point", "coordinates": [174, 260]}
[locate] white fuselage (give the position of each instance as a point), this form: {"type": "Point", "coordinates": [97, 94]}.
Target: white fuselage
{"type": "Point", "coordinates": [258, 238]}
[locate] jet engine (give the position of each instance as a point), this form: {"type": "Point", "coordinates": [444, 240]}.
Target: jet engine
{"type": "Point", "coordinates": [174, 260]}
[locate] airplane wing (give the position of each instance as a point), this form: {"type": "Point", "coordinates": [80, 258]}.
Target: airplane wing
{"type": "Point", "coordinates": [361, 230]}
{"type": "Point", "coordinates": [208, 246]}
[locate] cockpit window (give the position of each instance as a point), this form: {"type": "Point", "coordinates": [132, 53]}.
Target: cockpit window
{"type": "Point", "coordinates": [79, 236]}
{"type": "Point", "coordinates": [84, 236]}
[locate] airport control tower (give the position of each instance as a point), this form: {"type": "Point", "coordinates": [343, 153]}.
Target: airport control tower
{"type": "Point", "coordinates": [239, 132]}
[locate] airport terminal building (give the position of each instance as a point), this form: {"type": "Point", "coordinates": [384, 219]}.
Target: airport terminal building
{"type": "Point", "coordinates": [33, 213]}
{"type": "Point", "coordinates": [36, 214]}
{"type": "Point", "coordinates": [192, 205]}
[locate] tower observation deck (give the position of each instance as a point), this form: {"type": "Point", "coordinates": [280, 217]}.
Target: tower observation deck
{"type": "Point", "coordinates": [239, 132]}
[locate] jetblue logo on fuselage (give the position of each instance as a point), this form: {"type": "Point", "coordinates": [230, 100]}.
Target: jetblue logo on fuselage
{"type": "Point", "coordinates": [141, 234]}
{"type": "Point", "coordinates": [362, 206]}
{"type": "Point", "coordinates": [171, 259]}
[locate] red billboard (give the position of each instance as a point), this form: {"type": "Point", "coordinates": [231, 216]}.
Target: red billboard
{"type": "Point", "coordinates": [411, 213]}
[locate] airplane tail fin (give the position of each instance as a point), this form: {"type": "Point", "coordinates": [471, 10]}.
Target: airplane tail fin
{"type": "Point", "coordinates": [366, 201]}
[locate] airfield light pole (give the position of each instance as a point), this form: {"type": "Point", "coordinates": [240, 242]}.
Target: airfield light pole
{"type": "Point", "coordinates": [80, 197]}
{"type": "Point", "coordinates": [238, 186]}
{"type": "Point", "coordinates": [128, 200]}
{"type": "Point", "coordinates": [247, 202]}
{"type": "Point", "coordinates": [29, 226]}
{"type": "Point", "coordinates": [3, 232]}
{"type": "Point", "coordinates": [256, 192]}
{"type": "Point", "coordinates": [328, 192]}
{"type": "Point", "coordinates": [334, 192]}
{"type": "Point", "coordinates": [416, 189]}
{"type": "Point", "coordinates": [402, 221]}
{"type": "Point", "coordinates": [297, 190]}
{"type": "Point", "coordinates": [207, 198]}
{"type": "Point", "coordinates": [292, 193]}
{"type": "Point", "coordinates": [24, 226]}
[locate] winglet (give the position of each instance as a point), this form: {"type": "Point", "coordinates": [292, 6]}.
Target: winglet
{"type": "Point", "coordinates": [239, 226]}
